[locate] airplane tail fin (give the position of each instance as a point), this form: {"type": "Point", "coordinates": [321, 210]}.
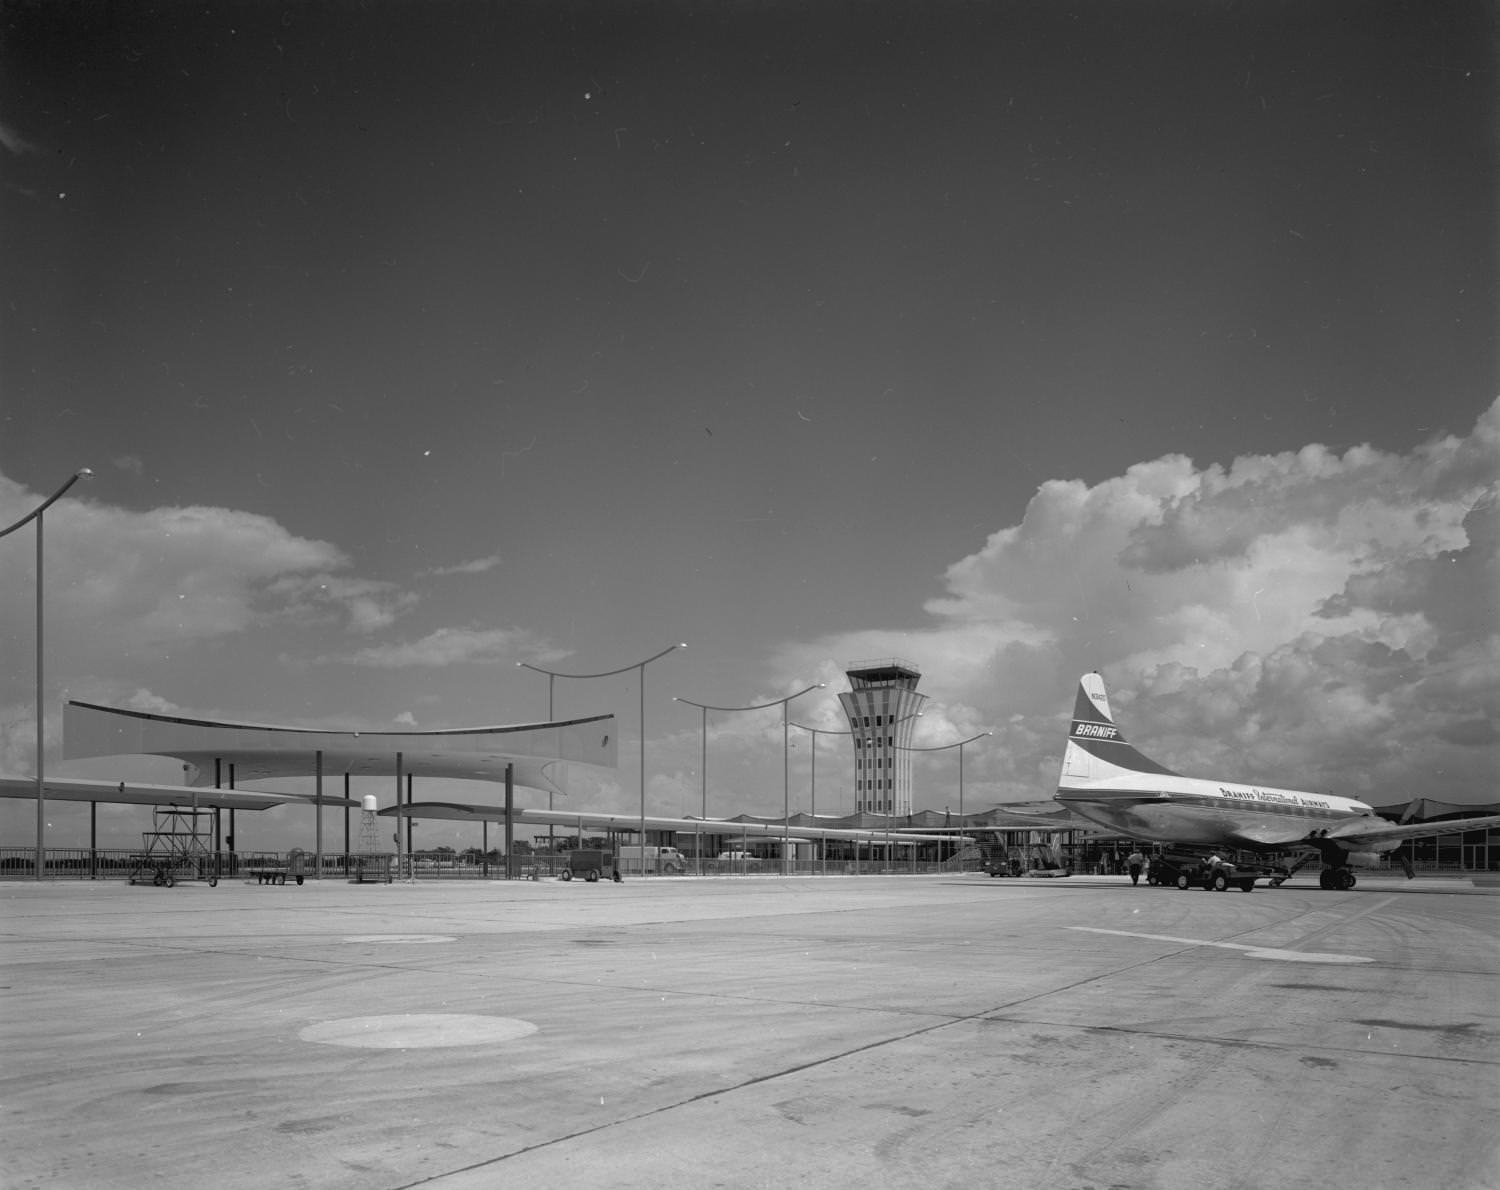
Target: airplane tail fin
{"type": "Point", "coordinates": [1097, 749]}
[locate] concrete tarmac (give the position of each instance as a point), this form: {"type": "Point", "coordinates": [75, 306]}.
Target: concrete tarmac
{"type": "Point", "coordinates": [944, 1031]}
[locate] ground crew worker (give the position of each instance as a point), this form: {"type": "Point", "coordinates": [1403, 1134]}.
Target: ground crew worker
{"type": "Point", "coordinates": [1135, 861]}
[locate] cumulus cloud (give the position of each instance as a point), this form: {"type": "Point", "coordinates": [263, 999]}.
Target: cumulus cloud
{"type": "Point", "coordinates": [1311, 618]}
{"type": "Point", "coordinates": [160, 576]}
{"type": "Point", "coordinates": [364, 605]}
{"type": "Point", "coordinates": [172, 575]}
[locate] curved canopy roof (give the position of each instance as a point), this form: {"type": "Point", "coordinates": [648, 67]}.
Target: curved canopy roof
{"type": "Point", "coordinates": [138, 793]}
{"type": "Point", "coordinates": [597, 821]}
{"type": "Point", "coordinates": [259, 751]}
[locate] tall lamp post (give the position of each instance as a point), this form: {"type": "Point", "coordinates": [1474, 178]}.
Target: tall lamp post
{"type": "Point", "coordinates": [41, 787]}
{"type": "Point", "coordinates": [786, 797]}
{"type": "Point", "coordinates": [609, 673]}
{"type": "Point", "coordinates": [959, 744]}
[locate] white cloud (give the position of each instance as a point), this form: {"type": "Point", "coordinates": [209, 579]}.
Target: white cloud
{"type": "Point", "coordinates": [363, 605]}
{"type": "Point", "coordinates": [130, 580]}
{"type": "Point", "coordinates": [173, 575]}
{"type": "Point", "coordinates": [473, 566]}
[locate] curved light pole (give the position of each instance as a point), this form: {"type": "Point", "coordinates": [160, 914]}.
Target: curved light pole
{"type": "Point", "coordinates": [959, 744]}
{"type": "Point", "coordinates": [786, 797]}
{"type": "Point", "coordinates": [702, 771]}
{"type": "Point", "coordinates": [609, 673]}
{"type": "Point", "coordinates": [816, 732]}
{"type": "Point", "coordinates": [41, 795]}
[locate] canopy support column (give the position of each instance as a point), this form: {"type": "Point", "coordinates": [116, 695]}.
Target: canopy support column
{"type": "Point", "coordinates": [318, 810]}
{"type": "Point", "coordinates": [510, 820]}
{"type": "Point", "coordinates": [219, 784]}
{"type": "Point", "coordinates": [399, 851]}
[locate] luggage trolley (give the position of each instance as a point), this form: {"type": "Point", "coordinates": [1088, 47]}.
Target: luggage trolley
{"type": "Point", "coordinates": [176, 849]}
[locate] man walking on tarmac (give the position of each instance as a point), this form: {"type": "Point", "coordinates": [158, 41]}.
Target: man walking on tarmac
{"type": "Point", "coordinates": [1135, 861]}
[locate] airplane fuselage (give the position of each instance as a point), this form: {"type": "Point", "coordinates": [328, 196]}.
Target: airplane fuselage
{"type": "Point", "coordinates": [1169, 808]}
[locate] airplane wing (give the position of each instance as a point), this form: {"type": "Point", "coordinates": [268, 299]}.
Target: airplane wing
{"type": "Point", "coordinates": [1371, 832]}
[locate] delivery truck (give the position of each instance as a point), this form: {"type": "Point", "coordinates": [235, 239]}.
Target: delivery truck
{"type": "Point", "coordinates": [652, 861]}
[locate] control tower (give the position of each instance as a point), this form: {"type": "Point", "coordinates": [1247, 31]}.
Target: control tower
{"type": "Point", "coordinates": [882, 708]}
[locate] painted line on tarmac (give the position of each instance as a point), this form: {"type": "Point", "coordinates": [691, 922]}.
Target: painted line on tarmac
{"type": "Point", "coordinates": [1251, 952]}
{"type": "Point", "coordinates": [400, 939]}
{"type": "Point", "coordinates": [417, 1031]}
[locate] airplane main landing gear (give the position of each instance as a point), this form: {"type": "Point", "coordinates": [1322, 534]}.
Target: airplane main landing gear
{"type": "Point", "coordinates": [1340, 879]}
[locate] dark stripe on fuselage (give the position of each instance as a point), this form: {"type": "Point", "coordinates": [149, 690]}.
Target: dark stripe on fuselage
{"type": "Point", "coordinates": [1126, 797]}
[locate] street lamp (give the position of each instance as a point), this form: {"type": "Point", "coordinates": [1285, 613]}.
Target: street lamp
{"type": "Point", "coordinates": [41, 795]}
{"type": "Point", "coordinates": [786, 797]}
{"type": "Point", "coordinates": [609, 673]}
{"type": "Point", "coordinates": [816, 732]}
{"type": "Point", "coordinates": [959, 744]}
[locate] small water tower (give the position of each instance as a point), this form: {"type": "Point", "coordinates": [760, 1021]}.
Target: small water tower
{"type": "Point", "coordinates": [369, 832]}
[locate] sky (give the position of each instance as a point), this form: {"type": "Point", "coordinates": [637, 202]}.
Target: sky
{"type": "Point", "coordinates": [408, 342]}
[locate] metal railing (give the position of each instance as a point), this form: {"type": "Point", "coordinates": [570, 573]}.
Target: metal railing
{"type": "Point", "coordinates": [118, 863]}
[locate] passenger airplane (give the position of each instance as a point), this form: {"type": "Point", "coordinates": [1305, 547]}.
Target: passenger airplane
{"type": "Point", "coordinates": [1105, 780]}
